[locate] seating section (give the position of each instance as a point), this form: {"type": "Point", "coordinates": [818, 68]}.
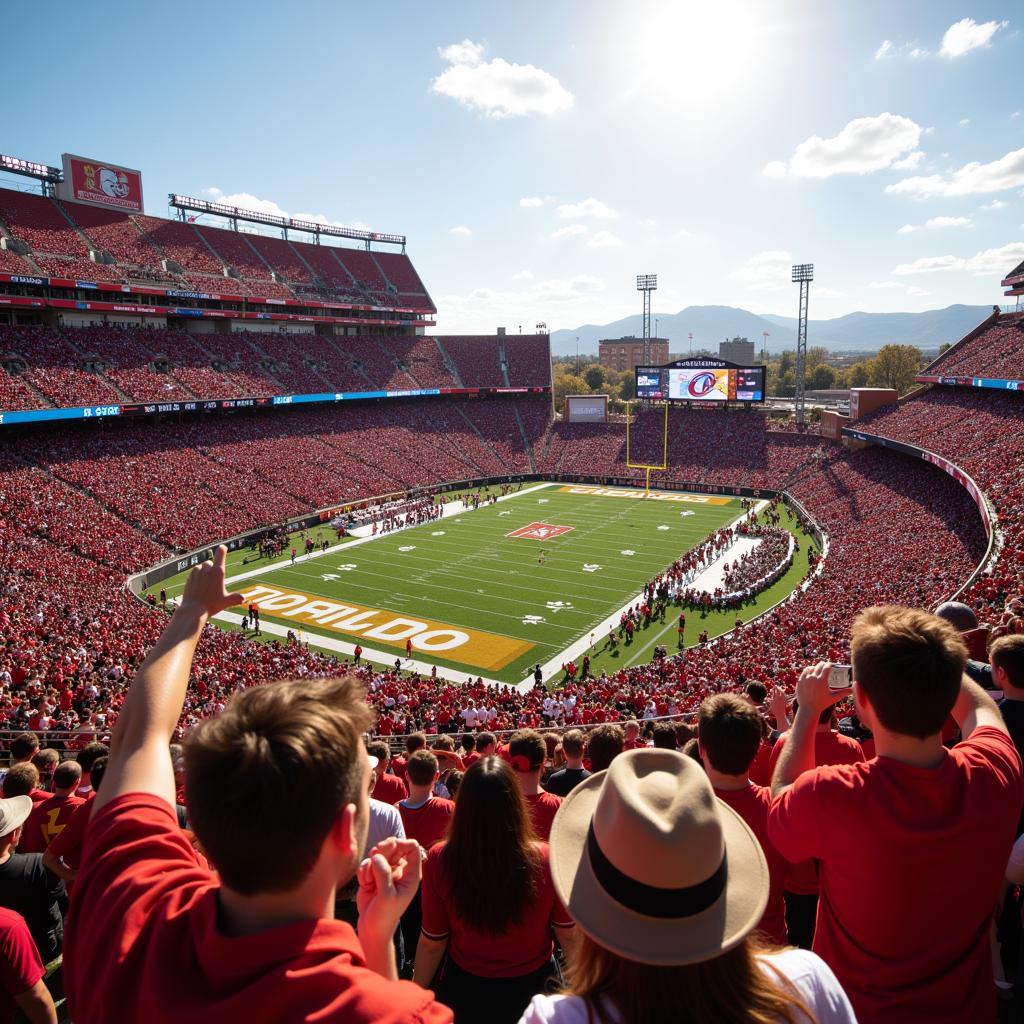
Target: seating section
{"type": "Point", "coordinates": [996, 351]}
{"type": "Point", "coordinates": [400, 272]}
{"type": "Point", "coordinates": [365, 272]}
{"type": "Point", "coordinates": [529, 360]}
{"type": "Point", "coordinates": [234, 249]}
{"type": "Point", "coordinates": [477, 359]}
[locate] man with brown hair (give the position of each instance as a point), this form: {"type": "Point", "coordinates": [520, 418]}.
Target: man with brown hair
{"type": "Point", "coordinates": [895, 833]}
{"type": "Point", "coordinates": [24, 747]}
{"type": "Point", "coordinates": [387, 788]}
{"type": "Point", "coordinates": [603, 745]}
{"type": "Point", "coordinates": [49, 818]}
{"type": "Point", "coordinates": [413, 742]}
{"type": "Point", "coordinates": [277, 789]}
{"type": "Point", "coordinates": [23, 780]}
{"type": "Point", "coordinates": [728, 735]}
{"type": "Point", "coordinates": [527, 753]}
{"type": "Point", "coordinates": [563, 782]}
{"type": "Point", "coordinates": [1006, 655]}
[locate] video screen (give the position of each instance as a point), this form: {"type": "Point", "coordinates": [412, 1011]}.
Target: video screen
{"type": "Point", "coordinates": [701, 384]}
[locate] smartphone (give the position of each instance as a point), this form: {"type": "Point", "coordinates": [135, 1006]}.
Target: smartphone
{"type": "Point", "coordinates": [840, 677]}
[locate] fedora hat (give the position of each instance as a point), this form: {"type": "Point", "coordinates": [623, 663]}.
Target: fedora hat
{"type": "Point", "coordinates": [13, 812]}
{"type": "Point", "coordinates": [653, 866]}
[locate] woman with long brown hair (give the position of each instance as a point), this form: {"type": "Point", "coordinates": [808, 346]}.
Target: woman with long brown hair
{"type": "Point", "coordinates": [489, 902]}
{"type": "Point", "coordinates": [666, 884]}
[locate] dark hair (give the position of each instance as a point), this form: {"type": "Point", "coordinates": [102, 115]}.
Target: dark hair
{"type": "Point", "coordinates": [684, 732]}
{"type": "Point", "coordinates": [468, 741]}
{"type": "Point", "coordinates": [20, 780]}
{"type": "Point", "coordinates": [604, 745]}
{"type": "Point", "coordinates": [99, 769]}
{"type": "Point", "coordinates": [88, 755]}
{"type": "Point", "coordinates": [295, 746]}
{"type": "Point", "coordinates": [25, 744]}
{"type": "Point", "coordinates": [959, 615]}
{"type": "Point", "coordinates": [757, 692]}
{"type": "Point", "coordinates": [1007, 653]}
{"type": "Point", "coordinates": [67, 774]}
{"type": "Point", "coordinates": [528, 743]}
{"type": "Point", "coordinates": [46, 760]}
{"type": "Point", "coordinates": [415, 741]}
{"type": "Point", "coordinates": [573, 743]}
{"type": "Point", "coordinates": [484, 739]}
{"type": "Point", "coordinates": [665, 736]}
{"type": "Point", "coordinates": [421, 768]}
{"type": "Point", "coordinates": [452, 781]}
{"type": "Point", "coordinates": [491, 856]}
{"type": "Point", "coordinates": [380, 750]}
{"type": "Point", "coordinates": [909, 664]}
{"type": "Point", "coordinates": [729, 730]}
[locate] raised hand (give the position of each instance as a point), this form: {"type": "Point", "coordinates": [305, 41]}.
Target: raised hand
{"type": "Point", "coordinates": [205, 592]}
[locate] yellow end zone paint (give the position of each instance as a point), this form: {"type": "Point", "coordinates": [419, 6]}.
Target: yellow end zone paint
{"type": "Point", "coordinates": [489, 651]}
{"type": "Point", "coordinates": [625, 492]}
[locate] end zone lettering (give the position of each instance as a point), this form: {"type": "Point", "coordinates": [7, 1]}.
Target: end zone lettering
{"type": "Point", "coordinates": [539, 531]}
{"type": "Point", "coordinates": [622, 492]}
{"type": "Point", "coordinates": [469, 646]}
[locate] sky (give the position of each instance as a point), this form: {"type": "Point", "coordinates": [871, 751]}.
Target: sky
{"type": "Point", "coordinates": [539, 155]}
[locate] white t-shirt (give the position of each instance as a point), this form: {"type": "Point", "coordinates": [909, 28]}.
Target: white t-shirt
{"type": "Point", "coordinates": [810, 974]}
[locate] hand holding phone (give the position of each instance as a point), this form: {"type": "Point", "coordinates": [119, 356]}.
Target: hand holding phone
{"type": "Point", "coordinates": [840, 677]}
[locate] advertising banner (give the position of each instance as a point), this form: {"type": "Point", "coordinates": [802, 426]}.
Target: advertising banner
{"type": "Point", "coordinates": [104, 184]}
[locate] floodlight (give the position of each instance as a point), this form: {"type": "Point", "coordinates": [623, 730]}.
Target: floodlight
{"type": "Point", "coordinates": [803, 272]}
{"type": "Point", "coordinates": [646, 282]}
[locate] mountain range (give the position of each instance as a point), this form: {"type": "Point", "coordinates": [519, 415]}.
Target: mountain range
{"type": "Point", "coordinates": [855, 332]}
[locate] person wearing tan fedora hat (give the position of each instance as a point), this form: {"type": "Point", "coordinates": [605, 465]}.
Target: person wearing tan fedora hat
{"type": "Point", "coordinates": [666, 884]}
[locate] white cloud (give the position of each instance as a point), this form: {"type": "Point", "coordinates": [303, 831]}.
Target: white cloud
{"type": "Point", "coordinates": [884, 50]}
{"type": "Point", "coordinates": [466, 52]}
{"type": "Point", "coordinates": [247, 201]}
{"type": "Point", "coordinates": [909, 162]}
{"type": "Point", "coordinates": [523, 275]}
{"type": "Point", "coordinates": [906, 229]}
{"type": "Point", "coordinates": [461, 231]}
{"type": "Point", "coordinates": [885, 284]}
{"type": "Point", "coordinates": [963, 121]}
{"type": "Point", "coordinates": [984, 263]}
{"type": "Point", "coordinates": [917, 53]}
{"type": "Point", "coordinates": [966, 34]}
{"type": "Point", "coordinates": [996, 204]}
{"type": "Point", "coordinates": [971, 179]}
{"type": "Point", "coordinates": [535, 202]}
{"type": "Point", "coordinates": [604, 240]}
{"type": "Point", "coordinates": [497, 87]}
{"type": "Point", "coordinates": [569, 231]}
{"type": "Point", "coordinates": [948, 222]}
{"type": "Point", "coordinates": [683, 233]}
{"type": "Point", "coordinates": [890, 49]}
{"type": "Point", "coordinates": [767, 271]}
{"type": "Point", "coordinates": [915, 291]}
{"type": "Point", "coordinates": [866, 144]}
{"type": "Point", "coordinates": [589, 207]}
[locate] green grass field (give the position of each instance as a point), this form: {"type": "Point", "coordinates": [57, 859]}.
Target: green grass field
{"type": "Point", "coordinates": [474, 599]}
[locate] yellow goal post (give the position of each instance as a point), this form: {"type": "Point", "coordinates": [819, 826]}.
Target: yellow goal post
{"type": "Point", "coordinates": [648, 467]}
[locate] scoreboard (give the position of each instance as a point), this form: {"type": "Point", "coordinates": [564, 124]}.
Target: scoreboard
{"type": "Point", "coordinates": [701, 380]}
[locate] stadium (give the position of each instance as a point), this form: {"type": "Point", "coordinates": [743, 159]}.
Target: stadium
{"type": "Point", "coordinates": [410, 510]}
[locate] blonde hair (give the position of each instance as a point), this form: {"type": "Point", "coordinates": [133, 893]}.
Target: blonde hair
{"type": "Point", "coordinates": [733, 988]}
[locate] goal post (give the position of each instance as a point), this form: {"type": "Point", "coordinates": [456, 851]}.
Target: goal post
{"type": "Point", "coordinates": [648, 467]}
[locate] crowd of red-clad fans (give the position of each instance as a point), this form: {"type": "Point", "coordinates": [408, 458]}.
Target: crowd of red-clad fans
{"type": "Point", "coordinates": [996, 350]}
{"type": "Point", "coordinates": [65, 367]}
{"type": "Point", "coordinates": [79, 511]}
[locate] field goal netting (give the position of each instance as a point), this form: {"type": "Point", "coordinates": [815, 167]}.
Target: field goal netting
{"type": "Point", "coordinates": [649, 446]}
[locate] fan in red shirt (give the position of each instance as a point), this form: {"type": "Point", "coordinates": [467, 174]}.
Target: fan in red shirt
{"type": "Point", "coordinates": [893, 834]}
{"type": "Point", "coordinates": [49, 818]}
{"type": "Point", "coordinates": [413, 742]}
{"type": "Point", "coordinates": [729, 733]}
{"type": "Point", "coordinates": [388, 788]}
{"type": "Point", "coordinates": [491, 905]}
{"type": "Point", "coordinates": [21, 973]}
{"type": "Point", "coordinates": [527, 752]}
{"type": "Point", "coordinates": [282, 769]}
{"type": "Point", "coordinates": [23, 780]}
{"type": "Point", "coordinates": [830, 747]}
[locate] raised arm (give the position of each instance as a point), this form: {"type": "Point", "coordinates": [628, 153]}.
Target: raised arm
{"type": "Point", "coordinates": [974, 707]}
{"type": "Point", "coordinates": [139, 760]}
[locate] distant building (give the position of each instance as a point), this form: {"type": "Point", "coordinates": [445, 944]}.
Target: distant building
{"type": "Point", "coordinates": [628, 353]}
{"type": "Point", "coordinates": [739, 351]}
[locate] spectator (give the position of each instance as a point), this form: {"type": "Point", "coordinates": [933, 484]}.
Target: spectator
{"type": "Point", "coordinates": [664, 737]}
{"type": "Point", "coordinates": [893, 832]}
{"type": "Point", "coordinates": [729, 734]}
{"type": "Point", "coordinates": [87, 756]}
{"type": "Point", "coordinates": [250, 943]}
{"type": "Point", "coordinates": [425, 818]}
{"type": "Point", "coordinates": [490, 904]}
{"type": "Point", "coordinates": [25, 885]}
{"type": "Point", "coordinates": [527, 752]}
{"type": "Point", "coordinates": [46, 761]}
{"type": "Point", "coordinates": [632, 739]}
{"type": "Point", "coordinates": [469, 754]}
{"type": "Point", "coordinates": [486, 744]}
{"type": "Point", "coordinates": [23, 780]}
{"type": "Point", "coordinates": [453, 781]}
{"type": "Point", "coordinates": [563, 782]}
{"type": "Point", "coordinates": [639, 856]}
{"type": "Point", "coordinates": [387, 788]}
{"type": "Point", "coordinates": [1007, 658]}
{"type": "Point", "coordinates": [24, 747]}
{"type": "Point", "coordinates": [22, 973]}
{"type": "Point", "coordinates": [605, 743]}
{"type": "Point", "coordinates": [413, 742]}
{"type": "Point", "coordinates": [49, 818]}
{"type": "Point", "coordinates": [63, 856]}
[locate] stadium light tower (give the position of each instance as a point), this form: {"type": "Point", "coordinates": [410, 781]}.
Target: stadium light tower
{"type": "Point", "coordinates": [803, 274]}
{"type": "Point", "coordinates": [647, 283]}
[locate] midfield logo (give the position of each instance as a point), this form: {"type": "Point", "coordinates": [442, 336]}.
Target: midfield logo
{"type": "Point", "coordinates": [539, 531]}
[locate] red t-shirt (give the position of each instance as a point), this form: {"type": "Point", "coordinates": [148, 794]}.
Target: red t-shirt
{"type": "Point", "coordinates": [830, 747]}
{"type": "Point", "coordinates": [143, 943]}
{"type": "Point", "coordinates": [761, 769]}
{"type": "Point", "coordinates": [519, 948]}
{"type": "Point", "coordinates": [427, 823]}
{"type": "Point", "coordinates": [38, 796]}
{"type": "Point", "coordinates": [912, 861]}
{"type": "Point", "coordinates": [398, 766]}
{"type": "Point", "coordinates": [752, 805]}
{"type": "Point", "coordinates": [389, 789]}
{"type": "Point", "coordinates": [68, 845]}
{"type": "Point", "coordinates": [543, 808]}
{"type": "Point", "coordinates": [471, 758]}
{"type": "Point", "coordinates": [46, 822]}
{"type": "Point", "coordinates": [20, 966]}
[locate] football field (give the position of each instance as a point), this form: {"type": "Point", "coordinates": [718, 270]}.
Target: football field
{"type": "Point", "coordinates": [487, 592]}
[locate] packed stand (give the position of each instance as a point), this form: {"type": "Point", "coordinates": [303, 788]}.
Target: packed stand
{"type": "Point", "coordinates": [477, 359]}
{"type": "Point", "coordinates": [996, 351]}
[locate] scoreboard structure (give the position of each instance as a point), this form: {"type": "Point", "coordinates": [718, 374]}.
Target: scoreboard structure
{"type": "Point", "coordinates": [705, 381]}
